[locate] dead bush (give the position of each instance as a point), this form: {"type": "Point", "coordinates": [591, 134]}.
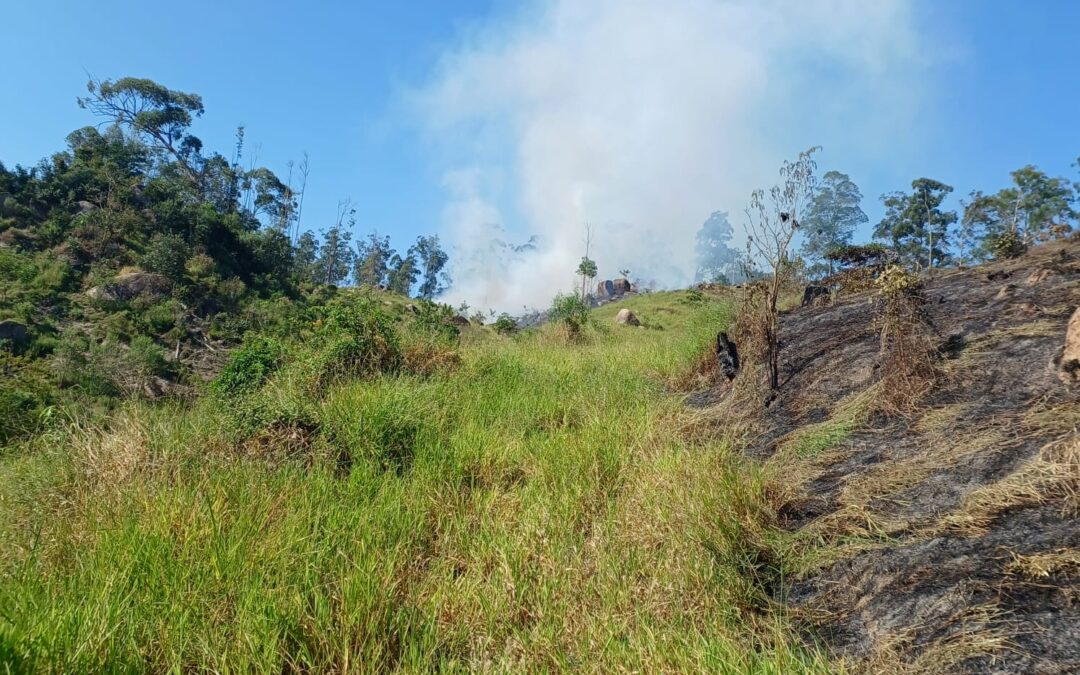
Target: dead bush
{"type": "Point", "coordinates": [908, 357]}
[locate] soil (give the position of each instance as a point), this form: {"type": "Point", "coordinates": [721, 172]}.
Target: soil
{"type": "Point", "coordinates": [928, 513]}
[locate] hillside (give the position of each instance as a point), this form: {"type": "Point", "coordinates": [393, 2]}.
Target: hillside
{"type": "Point", "coordinates": [385, 492]}
{"type": "Point", "coordinates": [531, 503]}
{"type": "Point", "coordinates": [941, 536]}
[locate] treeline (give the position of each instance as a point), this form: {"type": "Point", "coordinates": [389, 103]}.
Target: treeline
{"type": "Point", "coordinates": [920, 231]}
{"type": "Point", "coordinates": [132, 259]}
{"type": "Point", "coordinates": [144, 192]}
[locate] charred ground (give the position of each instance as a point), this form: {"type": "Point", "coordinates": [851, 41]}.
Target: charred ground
{"type": "Point", "coordinates": [943, 538]}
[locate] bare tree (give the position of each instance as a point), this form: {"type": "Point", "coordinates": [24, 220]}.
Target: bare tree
{"type": "Point", "coordinates": [304, 167]}
{"type": "Point", "coordinates": [772, 221]}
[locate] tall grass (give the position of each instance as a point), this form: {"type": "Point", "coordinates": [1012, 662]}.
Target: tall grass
{"type": "Point", "coordinates": [534, 508]}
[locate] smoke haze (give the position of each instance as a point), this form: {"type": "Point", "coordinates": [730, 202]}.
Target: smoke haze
{"type": "Point", "coordinates": [641, 118]}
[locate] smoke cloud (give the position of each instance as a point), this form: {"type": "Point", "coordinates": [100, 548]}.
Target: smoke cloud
{"type": "Point", "coordinates": [640, 118]}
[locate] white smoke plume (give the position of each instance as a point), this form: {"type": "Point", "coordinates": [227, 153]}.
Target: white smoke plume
{"type": "Point", "coordinates": [640, 118]}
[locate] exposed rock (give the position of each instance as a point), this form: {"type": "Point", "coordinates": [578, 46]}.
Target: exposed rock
{"type": "Point", "coordinates": [458, 320]}
{"type": "Point", "coordinates": [85, 206]}
{"type": "Point", "coordinates": [626, 318]}
{"type": "Point", "coordinates": [605, 289]}
{"type": "Point", "coordinates": [1068, 362]}
{"type": "Point", "coordinates": [13, 331]}
{"type": "Point", "coordinates": [815, 295]}
{"type": "Point", "coordinates": [999, 275]}
{"type": "Point", "coordinates": [411, 309]}
{"type": "Point", "coordinates": [621, 286]}
{"type": "Point", "coordinates": [130, 286]}
{"type": "Point", "coordinates": [727, 356]}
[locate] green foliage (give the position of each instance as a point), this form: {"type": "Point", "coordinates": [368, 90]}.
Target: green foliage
{"type": "Point", "coordinates": [587, 268]}
{"type": "Point", "coordinates": [505, 324]}
{"type": "Point", "coordinates": [434, 319]}
{"type": "Point", "coordinates": [1006, 245]}
{"type": "Point", "coordinates": [166, 254]}
{"type": "Point", "coordinates": [249, 366]}
{"type": "Point", "coordinates": [894, 280]}
{"type": "Point", "coordinates": [147, 357]}
{"type": "Point", "coordinates": [715, 257]}
{"type": "Point", "coordinates": [571, 311]}
{"type": "Point", "coordinates": [916, 226]}
{"type": "Point", "coordinates": [357, 340]}
{"type": "Point", "coordinates": [832, 216]}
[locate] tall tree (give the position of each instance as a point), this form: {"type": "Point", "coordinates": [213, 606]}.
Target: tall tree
{"type": "Point", "coordinates": [916, 225]}
{"type": "Point", "coordinates": [159, 115]}
{"type": "Point", "coordinates": [432, 261]}
{"type": "Point", "coordinates": [373, 256]}
{"type": "Point", "coordinates": [716, 260]}
{"type": "Point", "coordinates": [404, 271]}
{"type": "Point", "coordinates": [831, 217]}
{"type": "Point", "coordinates": [1036, 204]}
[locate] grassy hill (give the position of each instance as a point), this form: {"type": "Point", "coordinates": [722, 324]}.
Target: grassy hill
{"type": "Point", "coordinates": [512, 503]}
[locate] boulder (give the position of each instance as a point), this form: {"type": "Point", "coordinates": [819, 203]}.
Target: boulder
{"type": "Point", "coordinates": [13, 331]}
{"type": "Point", "coordinates": [132, 285]}
{"type": "Point", "coordinates": [620, 286]}
{"type": "Point", "coordinates": [458, 320]}
{"type": "Point", "coordinates": [605, 289]}
{"type": "Point", "coordinates": [1068, 360]}
{"type": "Point", "coordinates": [626, 318]}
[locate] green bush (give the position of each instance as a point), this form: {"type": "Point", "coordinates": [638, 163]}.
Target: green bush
{"type": "Point", "coordinates": [249, 366]}
{"type": "Point", "coordinates": [571, 311]}
{"type": "Point", "coordinates": [434, 320]}
{"type": "Point", "coordinates": [1007, 245]}
{"type": "Point", "coordinates": [166, 254]}
{"type": "Point", "coordinates": [505, 324]}
{"type": "Point", "coordinates": [356, 338]}
{"type": "Point", "coordinates": [147, 357]}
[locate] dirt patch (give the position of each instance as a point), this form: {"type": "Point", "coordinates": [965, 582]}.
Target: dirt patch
{"type": "Point", "coordinates": [945, 537]}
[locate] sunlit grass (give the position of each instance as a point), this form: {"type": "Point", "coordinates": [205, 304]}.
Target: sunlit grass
{"type": "Point", "coordinates": [534, 509]}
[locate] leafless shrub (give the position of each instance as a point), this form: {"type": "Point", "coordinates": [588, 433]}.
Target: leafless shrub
{"type": "Point", "coordinates": [908, 364]}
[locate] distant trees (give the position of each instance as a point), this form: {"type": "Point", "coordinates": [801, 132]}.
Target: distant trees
{"type": "Point", "coordinates": [831, 218]}
{"type": "Point", "coordinates": [716, 260]}
{"type": "Point", "coordinates": [916, 225]}
{"type": "Point", "coordinates": [1036, 207]}
{"type": "Point", "coordinates": [372, 260]}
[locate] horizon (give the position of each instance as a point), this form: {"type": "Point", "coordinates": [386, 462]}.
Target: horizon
{"type": "Point", "coordinates": [541, 117]}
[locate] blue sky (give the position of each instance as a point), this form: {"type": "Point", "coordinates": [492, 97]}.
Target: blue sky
{"type": "Point", "coordinates": [997, 90]}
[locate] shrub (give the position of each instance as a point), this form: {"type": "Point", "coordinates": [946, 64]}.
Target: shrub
{"type": "Point", "coordinates": [505, 324]}
{"type": "Point", "coordinates": [166, 254]}
{"type": "Point", "coordinates": [249, 366]}
{"type": "Point", "coordinates": [1007, 245]}
{"type": "Point", "coordinates": [693, 297]}
{"type": "Point", "coordinates": [147, 357]}
{"type": "Point", "coordinates": [358, 340]}
{"type": "Point", "coordinates": [571, 311]}
{"type": "Point", "coordinates": [895, 280]}
{"type": "Point", "coordinates": [434, 320]}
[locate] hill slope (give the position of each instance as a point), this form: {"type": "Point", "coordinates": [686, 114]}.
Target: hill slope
{"type": "Point", "coordinates": [942, 538]}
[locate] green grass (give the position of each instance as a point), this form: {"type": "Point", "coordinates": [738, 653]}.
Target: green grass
{"type": "Point", "coordinates": [535, 509]}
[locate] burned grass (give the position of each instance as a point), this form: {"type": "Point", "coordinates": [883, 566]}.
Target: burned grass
{"type": "Point", "coordinates": [934, 530]}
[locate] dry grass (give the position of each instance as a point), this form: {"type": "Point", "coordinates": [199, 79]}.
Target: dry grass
{"type": "Point", "coordinates": [1036, 566]}
{"type": "Point", "coordinates": [1052, 476]}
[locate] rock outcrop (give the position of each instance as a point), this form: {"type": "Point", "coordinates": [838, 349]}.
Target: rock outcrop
{"type": "Point", "coordinates": [1068, 363]}
{"type": "Point", "coordinates": [626, 318]}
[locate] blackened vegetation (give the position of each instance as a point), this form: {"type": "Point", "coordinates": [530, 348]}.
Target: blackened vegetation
{"type": "Point", "coordinates": [727, 355]}
{"type": "Point", "coordinates": [945, 511]}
